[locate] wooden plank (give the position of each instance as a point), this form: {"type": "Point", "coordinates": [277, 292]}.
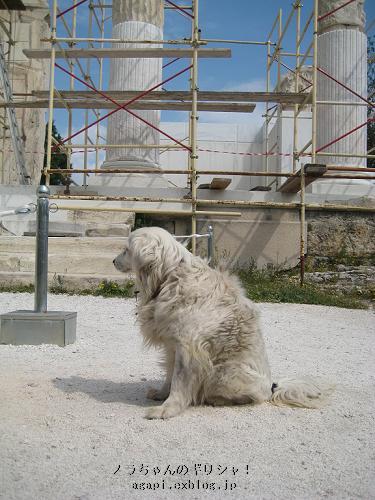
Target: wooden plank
{"type": "Point", "coordinates": [117, 53]}
{"type": "Point", "coordinates": [312, 172]}
{"type": "Point", "coordinates": [182, 95]}
{"type": "Point", "coordinates": [226, 107]}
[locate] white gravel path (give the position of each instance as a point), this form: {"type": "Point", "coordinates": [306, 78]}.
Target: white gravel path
{"type": "Point", "coordinates": [69, 417]}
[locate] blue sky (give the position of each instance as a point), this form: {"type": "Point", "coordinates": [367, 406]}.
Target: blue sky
{"type": "Point", "coordinates": [240, 20]}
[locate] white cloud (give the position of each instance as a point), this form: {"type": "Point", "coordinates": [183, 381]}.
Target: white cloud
{"type": "Point", "coordinates": [256, 85]}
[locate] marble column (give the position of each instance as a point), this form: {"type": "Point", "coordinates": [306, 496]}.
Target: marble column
{"type": "Point", "coordinates": [132, 20]}
{"type": "Point", "coordinates": [342, 52]}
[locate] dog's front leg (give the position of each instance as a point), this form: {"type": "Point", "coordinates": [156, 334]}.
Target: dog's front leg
{"type": "Point", "coordinates": [168, 363]}
{"type": "Point", "coordinates": [183, 387]}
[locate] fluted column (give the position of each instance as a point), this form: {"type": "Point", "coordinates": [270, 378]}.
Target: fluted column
{"type": "Point", "coordinates": [342, 53]}
{"type": "Point", "coordinates": [132, 20]}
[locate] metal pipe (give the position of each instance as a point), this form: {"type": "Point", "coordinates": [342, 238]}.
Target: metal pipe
{"type": "Point", "coordinates": [210, 213]}
{"type": "Point", "coordinates": [307, 54]}
{"type": "Point", "coordinates": [296, 83]}
{"type": "Point", "coordinates": [306, 27]}
{"type": "Point", "coordinates": [71, 85]}
{"type": "Point", "coordinates": [194, 122]}
{"type": "Point", "coordinates": [268, 84]}
{"type": "Point", "coordinates": [273, 27]}
{"type": "Point", "coordinates": [341, 103]}
{"type": "Point", "coordinates": [183, 11]}
{"type": "Point", "coordinates": [303, 103]}
{"type": "Point", "coordinates": [41, 252]}
{"type": "Point", "coordinates": [292, 54]}
{"type": "Point", "coordinates": [71, 39]}
{"type": "Point", "coordinates": [240, 42]}
{"type": "Point", "coordinates": [51, 93]}
{"type": "Point", "coordinates": [102, 27]}
{"type": "Point", "coordinates": [88, 68]}
{"type": "Point", "coordinates": [210, 245]}
{"type": "Point", "coordinates": [201, 172]}
{"type": "Point", "coordinates": [234, 203]}
{"type": "Point", "coordinates": [70, 8]}
{"type": "Point", "coordinates": [169, 171]}
{"type": "Point", "coordinates": [302, 226]}
{"type": "Point", "coordinates": [346, 155]}
{"type": "Point", "coordinates": [351, 168]}
{"type": "Point", "coordinates": [125, 146]}
{"type": "Point", "coordinates": [281, 33]}
{"type": "Point", "coordinates": [307, 145]}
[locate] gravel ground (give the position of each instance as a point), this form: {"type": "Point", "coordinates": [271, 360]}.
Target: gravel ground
{"type": "Point", "coordinates": [71, 417]}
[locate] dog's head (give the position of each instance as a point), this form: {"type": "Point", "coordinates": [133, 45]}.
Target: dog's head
{"type": "Point", "coordinates": [151, 253]}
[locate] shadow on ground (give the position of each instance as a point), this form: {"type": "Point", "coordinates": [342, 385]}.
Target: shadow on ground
{"type": "Point", "coordinates": [106, 391]}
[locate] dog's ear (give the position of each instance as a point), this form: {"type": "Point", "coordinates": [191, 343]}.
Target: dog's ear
{"type": "Point", "coordinates": [146, 252]}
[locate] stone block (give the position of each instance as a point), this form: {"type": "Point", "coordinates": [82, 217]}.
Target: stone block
{"type": "Point", "coordinates": [107, 230]}
{"type": "Point", "coordinates": [33, 328]}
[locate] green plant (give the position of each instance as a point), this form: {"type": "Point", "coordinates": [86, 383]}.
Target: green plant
{"type": "Point", "coordinates": [112, 289]}
{"type": "Point", "coordinates": [268, 285]}
{"type": "Point", "coordinates": [58, 159]}
{"type": "Point", "coordinates": [17, 288]}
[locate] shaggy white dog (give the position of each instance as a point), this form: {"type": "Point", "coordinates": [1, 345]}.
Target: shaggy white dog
{"type": "Point", "coordinates": [207, 329]}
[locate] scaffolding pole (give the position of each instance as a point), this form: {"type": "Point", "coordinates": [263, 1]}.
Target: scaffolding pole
{"type": "Point", "coordinates": [194, 124]}
{"type": "Point", "coordinates": [193, 171]}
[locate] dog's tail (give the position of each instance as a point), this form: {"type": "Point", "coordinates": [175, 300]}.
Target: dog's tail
{"type": "Point", "coordinates": [305, 393]}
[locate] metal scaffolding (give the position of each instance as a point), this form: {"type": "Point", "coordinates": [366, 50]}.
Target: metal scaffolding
{"type": "Point", "coordinates": [94, 98]}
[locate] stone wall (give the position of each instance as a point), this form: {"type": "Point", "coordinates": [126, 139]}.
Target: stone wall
{"type": "Point", "coordinates": [25, 76]}
{"type": "Point", "coordinates": [339, 234]}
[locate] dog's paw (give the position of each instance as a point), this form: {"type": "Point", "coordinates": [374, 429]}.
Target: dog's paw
{"type": "Point", "coordinates": [163, 411]}
{"type": "Point", "coordinates": [156, 394]}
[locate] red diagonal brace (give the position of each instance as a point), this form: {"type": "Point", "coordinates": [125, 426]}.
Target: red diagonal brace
{"type": "Point", "coordinates": [179, 8]}
{"type": "Point", "coordinates": [346, 87]}
{"type": "Point", "coordinates": [345, 135]}
{"type": "Point", "coordinates": [171, 62]}
{"type": "Point", "coordinates": [335, 10]}
{"type": "Point", "coordinates": [122, 106]}
{"type": "Point", "coordinates": [70, 8]}
{"type": "Point", "coordinates": [293, 71]}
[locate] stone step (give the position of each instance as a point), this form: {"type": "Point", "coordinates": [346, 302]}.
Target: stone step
{"type": "Point", "coordinates": [68, 282]}
{"type": "Point", "coordinates": [110, 245]}
{"type": "Point", "coordinates": [89, 262]}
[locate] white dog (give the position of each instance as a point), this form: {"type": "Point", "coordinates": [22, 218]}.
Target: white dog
{"type": "Point", "coordinates": [207, 329]}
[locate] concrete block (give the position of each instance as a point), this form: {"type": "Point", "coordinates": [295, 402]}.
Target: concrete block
{"type": "Point", "coordinates": [107, 230]}
{"type": "Point", "coordinates": [266, 237]}
{"type": "Point", "coordinates": [32, 328]}
{"type": "Point", "coordinates": [87, 216]}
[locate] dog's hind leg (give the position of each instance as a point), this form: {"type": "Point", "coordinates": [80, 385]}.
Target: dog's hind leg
{"type": "Point", "coordinates": [235, 383]}
{"type": "Point", "coordinates": [186, 381]}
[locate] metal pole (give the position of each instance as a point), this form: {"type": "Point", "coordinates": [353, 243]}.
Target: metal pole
{"type": "Point", "coordinates": [279, 107]}
{"type": "Point", "coordinates": [302, 226]}
{"type": "Point", "coordinates": [268, 84]}
{"type": "Point", "coordinates": [41, 252]}
{"type": "Point", "coordinates": [88, 68]}
{"type": "Point", "coordinates": [210, 245]}
{"type": "Point", "coordinates": [51, 90]}
{"type": "Point", "coordinates": [315, 83]}
{"type": "Point", "coordinates": [194, 123]}
{"type": "Point", "coordinates": [296, 83]}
